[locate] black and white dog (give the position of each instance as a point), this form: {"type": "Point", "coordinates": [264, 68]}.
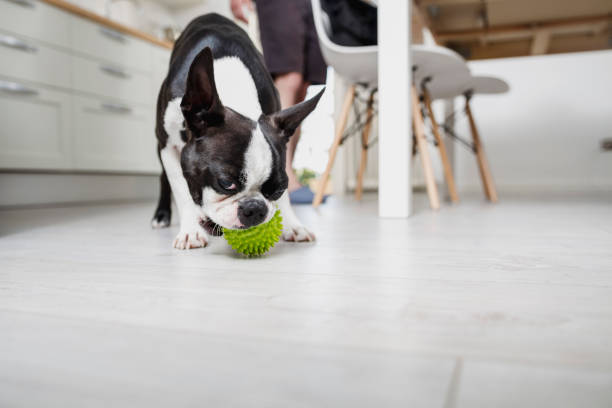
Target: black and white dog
{"type": "Point", "coordinates": [222, 136]}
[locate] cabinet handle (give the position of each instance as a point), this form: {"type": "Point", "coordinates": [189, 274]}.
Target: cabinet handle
{"type": "Point", "coordinates": [23, 3]}
{"type": "Point", "coordinates": [112, 34]}
{"type": "Point", "coordinates": [116, 108]}
{"type": "Point", "coordinates": [114, 71]}
{"type": "Point", "coordinates": [17, 89]}
{"type": "Point", "coordinates": [16, 43]}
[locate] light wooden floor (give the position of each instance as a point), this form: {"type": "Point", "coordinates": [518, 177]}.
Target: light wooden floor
{"type": "Point", "coordinates": [474, 306]}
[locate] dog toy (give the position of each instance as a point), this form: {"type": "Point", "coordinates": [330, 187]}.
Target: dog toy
{"type": "Point", "coordinates": [257, 240]}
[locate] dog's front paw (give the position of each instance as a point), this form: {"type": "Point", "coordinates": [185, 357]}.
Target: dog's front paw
{"type": "Point", "coordinates": [193, 237]}
{"type": "Point", "coordinates": [297, 233]}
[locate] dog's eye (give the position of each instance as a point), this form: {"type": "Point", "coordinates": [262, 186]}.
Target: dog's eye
{"type": "Point", "coordinates": [226, 184]}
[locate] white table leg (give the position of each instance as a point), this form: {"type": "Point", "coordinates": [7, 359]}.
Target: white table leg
{"type": "Point", "coordinates": [394, 79]}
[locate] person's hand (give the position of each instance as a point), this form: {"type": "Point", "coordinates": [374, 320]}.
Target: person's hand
{"type": "Point", "coordinates": [238, 9]}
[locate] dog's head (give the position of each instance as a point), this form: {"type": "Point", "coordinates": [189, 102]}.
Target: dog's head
{"type": "Point", "coordinates": [234, 166]}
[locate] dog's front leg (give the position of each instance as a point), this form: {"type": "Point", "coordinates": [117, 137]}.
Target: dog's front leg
{"type": "Point", "coordinates": [293, 229]}
{"type": "Point", "coordinates": [191, 234]}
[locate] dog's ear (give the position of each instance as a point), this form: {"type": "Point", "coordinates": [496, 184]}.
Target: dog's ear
{"type": "Point", "coordinates": [201, 104]}
{"type": "Point", "coordinates": [288, 120]}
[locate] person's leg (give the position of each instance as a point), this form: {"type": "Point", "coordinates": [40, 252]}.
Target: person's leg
{"type": "Point", "coordinates": [292, 145]}
{"type": "Point", "coordinates": [292, 90]}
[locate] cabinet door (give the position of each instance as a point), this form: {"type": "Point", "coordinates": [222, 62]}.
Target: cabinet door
{"type": "Point", "coordinates": [152, 164]}
{"type": "Point", "coordinates": [31, 60]}
{"type": "Point", "coordinates": [113, 136]}
{"type": "Point", "coordinates": [112, 81]}
{"type": "Point", "coordinates": [97, 41]}
{"type": "Point", "coordinates": [35, 127]}
{"type": "Point", "coordinates": [161, 61]}
{"type": "Point", "coordinates": [35, 19]}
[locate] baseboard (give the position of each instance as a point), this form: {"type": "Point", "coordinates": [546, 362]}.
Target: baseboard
{"type": "Point", "coordinates": [511, 189]}
{"type": "Point", "coordinates": [40, 189]}
{"type": "Point", "coordinates": [551, 188]}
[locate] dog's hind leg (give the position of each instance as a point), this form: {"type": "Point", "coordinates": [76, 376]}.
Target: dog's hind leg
{"type": "Point", "coordinates": [163, 213]}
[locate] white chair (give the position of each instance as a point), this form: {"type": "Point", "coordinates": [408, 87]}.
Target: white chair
{"type": "Point", "coordinates": [451, 86]}
{"type": "Point", "coordinates": [435, 69]}
{"type": "Point", "coordinates": [474, 84]}
{"type": "Point", "coordinates": [359, 67]}
{"type": "Point", "coordinates": [486, 85]}
{"type": "Point", "coordinates": [437, 72]}
{"type": "Point", "coordinates": [483, 85]}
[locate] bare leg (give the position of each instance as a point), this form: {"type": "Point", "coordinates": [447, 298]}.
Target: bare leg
{"type": "Point", "coordinates": [292, 89]}
{"type": "Point", "coordinates": [293, 142]}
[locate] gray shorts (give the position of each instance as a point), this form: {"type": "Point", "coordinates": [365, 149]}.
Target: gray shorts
{"type": "Point", "coordinates": [289, 39]}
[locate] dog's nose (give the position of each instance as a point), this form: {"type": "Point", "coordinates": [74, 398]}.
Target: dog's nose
{"type": "Point", "coordinates": [252, 212]}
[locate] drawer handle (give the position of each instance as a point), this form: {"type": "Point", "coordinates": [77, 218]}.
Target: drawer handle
{"type": "Point", "coordinates": [23, 3]}
{"type": "Point", "coordinates": [17, 44]}
{"type": "Point", "coordinates": [114, 71]}
{"type": "Point", "coordinates": [112, 34]}
{"type": "Point", "coordinates": [17, 89]}
{"type": "Point", "coordinates": [116, 108]}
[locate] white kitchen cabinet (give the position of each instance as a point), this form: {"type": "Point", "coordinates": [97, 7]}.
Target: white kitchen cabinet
{"type": "Point", "coordinates": [160, 65]}
{"type": "Point", "coordinates": [36, 127]}
{"type": "Point", "coordinates": [152, 163]}
{"type": "Point", "coordinates": [74, 93]}
{"type": "Point", "coordinates": [30, 60]}
{"type": "Point", "coordinates": [100, 42]}
{"type": "Point", "coordinates": [36, 20]}
{"type": "Point", "coordinates": [111, 135]}
{"type": "Point", "coordinates": [111, 80]}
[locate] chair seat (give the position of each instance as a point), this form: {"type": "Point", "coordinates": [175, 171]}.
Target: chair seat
{"type": "Point", "coordinates": [446, 71]}
{"type": "Point", "coordinates": [433, 60]}
{"type": "Point", "coordinates": [486, 85]}
{"type": "Point", "coordinates": [450, 86]}
{"type": "Point", "coordinates": [355, 64]}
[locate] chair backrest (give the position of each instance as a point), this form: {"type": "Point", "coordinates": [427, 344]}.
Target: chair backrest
{"type": "Point", "coordinates": [358, 64]}
{"type": "Point", "coordinates": [323, 28]}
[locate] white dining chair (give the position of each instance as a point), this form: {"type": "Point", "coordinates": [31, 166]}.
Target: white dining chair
{"type": "Point", "coordinates": [359, 67]}
{"type": "Point", "coordinates": [437, 68]}
{"type": "Point", "coordinates": [475, 85]}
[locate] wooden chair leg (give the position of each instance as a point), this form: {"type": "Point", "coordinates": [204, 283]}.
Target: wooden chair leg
{"type": "Point", "coordinates": [446, 166]}
{"type": "Point", "coordinates": [419, 131]}
{"type": "Point", "coordinates": [483, 165]}
{"type": "Point", "coordinates": [340, 125]}
{"type": "Point", "coordinates": [365, 137]}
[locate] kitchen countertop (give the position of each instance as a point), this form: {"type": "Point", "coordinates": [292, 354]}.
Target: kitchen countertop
{"type": "Point", "coordinates": [71, 8]}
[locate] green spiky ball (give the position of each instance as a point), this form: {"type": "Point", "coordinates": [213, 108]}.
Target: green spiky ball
{"type": "Point", "coordinates": [257, 240]}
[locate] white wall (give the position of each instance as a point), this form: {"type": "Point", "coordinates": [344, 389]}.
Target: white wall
{"type": "Point", "coordinates": [545, 133]}
{"type": "Point", "coordinates": [184, 15]}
